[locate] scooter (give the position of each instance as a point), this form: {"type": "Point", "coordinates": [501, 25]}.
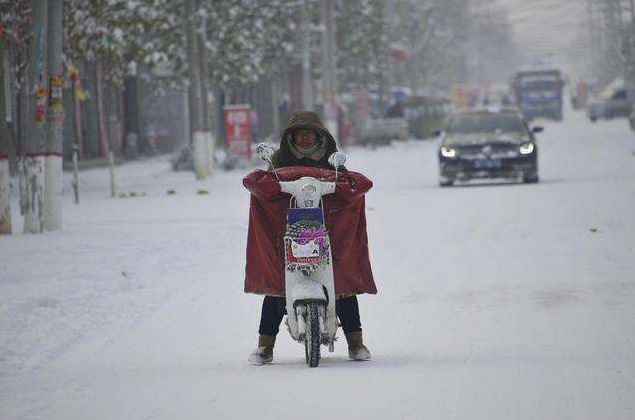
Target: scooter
{"type": "Point", "coordinates": [309, 281]}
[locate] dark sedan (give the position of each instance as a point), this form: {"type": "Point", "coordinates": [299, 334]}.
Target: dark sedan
{"type": "Point", "coordinates": [488, 144]}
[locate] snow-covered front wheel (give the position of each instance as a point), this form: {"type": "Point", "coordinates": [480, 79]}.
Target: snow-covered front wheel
{"type": "Point", "coordinates": [313, 337]}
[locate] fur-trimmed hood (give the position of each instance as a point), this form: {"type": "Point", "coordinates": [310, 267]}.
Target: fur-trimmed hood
{"type": "Point", "coordinates": [284, 156]}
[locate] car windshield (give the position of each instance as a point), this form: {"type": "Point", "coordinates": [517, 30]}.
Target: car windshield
{"type": "Point", "coordinates": [540, 85]}
{"type": "Point", "coordinates": [485, 123]}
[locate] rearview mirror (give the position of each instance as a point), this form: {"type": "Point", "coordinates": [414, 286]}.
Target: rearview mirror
{"type": "Point", "coordinates": [265, 151]}
{"type": "Point", "coordinates": [537, 129]}
{"type": "Point", "coordinates": [437, 133]}
{"type": "Point", "coordinates": [337, 160]}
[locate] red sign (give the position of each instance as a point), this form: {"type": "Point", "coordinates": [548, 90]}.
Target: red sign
{"type": "Point", "coordinates": [238, 129]}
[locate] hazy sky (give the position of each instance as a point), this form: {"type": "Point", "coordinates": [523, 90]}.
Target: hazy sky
{"type": "Point", "coordinates": [552, 29]}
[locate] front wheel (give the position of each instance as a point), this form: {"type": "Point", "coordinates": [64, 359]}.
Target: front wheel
{"type": "Point", "coordinates": [313, 337]}
{"type": "Point", "coordinates": [446, 182]}
{"type": "Point", "coordinates": [531, 178]}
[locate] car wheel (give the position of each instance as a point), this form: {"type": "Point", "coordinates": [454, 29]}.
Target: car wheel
{"type": "Point", "coordinates": [446, 183]}
{"type": "Point", "coordinates": [530, 178]}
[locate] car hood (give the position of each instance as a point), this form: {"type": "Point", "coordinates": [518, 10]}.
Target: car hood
{"type": "Point", "coordinates": [457, 139]}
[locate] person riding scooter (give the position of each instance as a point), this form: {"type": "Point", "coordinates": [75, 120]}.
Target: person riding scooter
{"type": "Point", "coordinates": [306, 142]}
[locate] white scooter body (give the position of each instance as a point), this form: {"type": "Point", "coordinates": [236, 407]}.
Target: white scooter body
{"type": "Point", "coordinates": [314, 282]}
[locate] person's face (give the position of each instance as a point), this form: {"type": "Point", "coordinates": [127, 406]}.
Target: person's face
{"type": "Point", "coordinates": [305, 139]}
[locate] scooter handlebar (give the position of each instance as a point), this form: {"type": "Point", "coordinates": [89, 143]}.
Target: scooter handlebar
{"type": "Point", "coordinates": [307, 185]}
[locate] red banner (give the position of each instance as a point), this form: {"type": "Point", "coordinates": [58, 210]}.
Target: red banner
{"type": "Point", "coordinates": [238, 129]}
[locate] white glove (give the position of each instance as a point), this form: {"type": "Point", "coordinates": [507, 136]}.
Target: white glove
{"type": "Point", "coordinates": [265, 151]}
{"type": "Point", "coordinates": [337, 159]}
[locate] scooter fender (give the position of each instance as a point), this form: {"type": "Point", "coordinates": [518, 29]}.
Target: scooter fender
{"type": "Point", "coordinates": [308, 290]}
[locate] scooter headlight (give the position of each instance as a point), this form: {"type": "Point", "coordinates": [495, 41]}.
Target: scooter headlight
{"type": "Point", "coordinates": [309, 190]}
{"type": "Point", "coordinates": [448, 152]}
{"type": "Point", "coordinates": [526, 149]}
{"type": "Point", "coordinates": [309, 195]}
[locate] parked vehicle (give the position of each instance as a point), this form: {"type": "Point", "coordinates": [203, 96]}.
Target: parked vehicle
{"type": "Point", "coordinates": [539, 93]}
{"type": "Point", "coordinates": [376, 132]}
{"type": "Point", "coordinates": [425, 115]}
{"type": "Point", "coordinates": [615, 101]}
{"type": "Point", "coordinates": [595, 110]}
{"type": "Point", "coordinates": [488, 144]}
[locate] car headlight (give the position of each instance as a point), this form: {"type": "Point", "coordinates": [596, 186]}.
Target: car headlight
{"type": "Point", "coordinates": [526, 149]}
{"type": "Point", "coordinates": [448, 152]}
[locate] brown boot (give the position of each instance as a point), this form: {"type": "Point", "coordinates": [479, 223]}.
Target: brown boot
{"type": "Point", "coordinates": [356, 348]}
{"type": "Point", "coordinates": [264, 353]}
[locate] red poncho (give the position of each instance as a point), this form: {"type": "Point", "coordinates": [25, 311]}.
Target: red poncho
{"type": "Point", "coordinates": [345, 220]}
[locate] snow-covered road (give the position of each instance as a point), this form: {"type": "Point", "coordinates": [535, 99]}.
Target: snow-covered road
{"type": "Point", "coordinates": [499, 301]}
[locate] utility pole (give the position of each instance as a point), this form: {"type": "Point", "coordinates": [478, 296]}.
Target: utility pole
{"type": "Point", "coordinates": [328, 67]}
{"type": "Point", "coordinates": [52, 206]}
{"type": "Point", "coordinates": [307, 89]}
{"type": "Point", "coordinates": [199, 136]}
{"type": "Point", "coordinates": [5, 186]}
{"type": "Point", "coordinates": [35, 140]}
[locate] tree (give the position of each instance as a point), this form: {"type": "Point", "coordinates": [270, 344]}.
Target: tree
{"type": "Point", "coordinates": [247, 39]}
{"type": "Point", "coordinates": [123, 33]}
{"type": "Point", "coordinates": [362, 43]}
{"type": "Point", "coordinates": [15, 18]}
{"type": "Point", "coordinates": [425, 38]}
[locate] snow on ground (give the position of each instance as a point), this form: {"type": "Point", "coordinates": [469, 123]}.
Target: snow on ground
{"type": "Point", "coordinates": [496, 300]}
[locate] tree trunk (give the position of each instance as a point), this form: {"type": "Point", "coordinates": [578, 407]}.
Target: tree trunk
{"type": "Point", "coordinates": [200, 137]}
{"type": "Point", "coordinates": [5, 184]}
{"type": "Point", "coordinates": [104, 144]}
{"type": "Point", "coordinates": [77, 117]}
{"type": "Point", "coordinates": [52, 203]}
{"type": "Point", "coordinates": [207, 106]}
{"type": "Point", "coordinates": [33, 160]}
{"type": "Point", "coordinates": [11, 108]}
{"type": "Point", "coordinates": [131, 110]}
